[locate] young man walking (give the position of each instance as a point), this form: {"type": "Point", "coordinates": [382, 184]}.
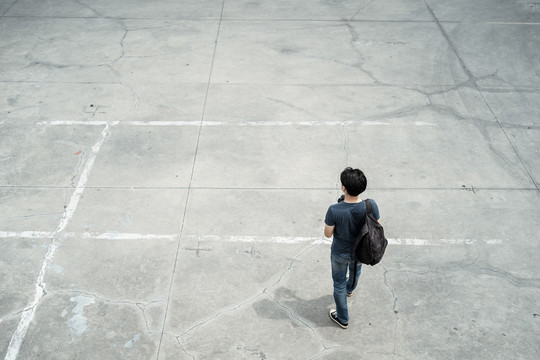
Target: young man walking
{"type": "Point", "coordinates": [344, 221]}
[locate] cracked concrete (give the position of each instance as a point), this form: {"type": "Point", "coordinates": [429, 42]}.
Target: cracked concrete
{"type": "Point", "coordinates": [260, 305]}
{"type": "Point", "coordinates": [394, 308]}
{"type": "Point", "coordinates": [166, 169]}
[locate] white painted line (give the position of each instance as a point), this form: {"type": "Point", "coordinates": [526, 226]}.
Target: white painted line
{"type": "Point", "coordinates": [83, 179]}
{"type": "Point", "coordinates": [124, 236]}
{"type": "Point", "coordinates": [470, 241]}
{"type": "Point", "coordinates": [26, 234]}
{"type": "Point", "coordinates": [247, 239]}
{"type": "Point", "coordinates": [72, 122]}
{"type": "Point", "coordinates": [28, 313]}
{"type": "Point", "coordinates": [422, 123]}
{"type": "Point", "coordinates": [87, 235]}
{"type": "Point", "coordinates": [162, 123]}
{"type": "Point", "coordinates": [323, 240]}
{"type": "Point", "coordinates": [259, 239]}
{"type": "Point", "coordinates": [228, 123]}
{"type": "Point", "coordinates": [414, 242]}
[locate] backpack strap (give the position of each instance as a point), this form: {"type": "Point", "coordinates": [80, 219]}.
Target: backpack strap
{"type": "Point", "coordinates": [368, 211]}
{"type": "Point", "coordinates": [368, 207]}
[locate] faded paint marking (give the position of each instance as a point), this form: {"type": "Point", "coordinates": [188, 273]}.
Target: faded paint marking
{"type": "Point", "coordinates": [248, 239]}
{"type": "Point", "coordinates": [28, 313]}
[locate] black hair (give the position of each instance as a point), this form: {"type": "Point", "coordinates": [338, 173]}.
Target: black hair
{"type": "Point", "coordinates": [354, 181]}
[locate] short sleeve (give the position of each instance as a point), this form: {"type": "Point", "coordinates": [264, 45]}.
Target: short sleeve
{"type": "Point", "coordinates": [329, 218]}
{"type": "Point", "coordinates": [375, 210]}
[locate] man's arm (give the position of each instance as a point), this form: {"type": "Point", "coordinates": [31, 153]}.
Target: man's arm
{"type": "Point", "coordinates": [328, 230]}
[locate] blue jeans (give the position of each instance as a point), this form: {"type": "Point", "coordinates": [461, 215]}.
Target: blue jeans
{"type": "Point", "coordinates": [342, 284]}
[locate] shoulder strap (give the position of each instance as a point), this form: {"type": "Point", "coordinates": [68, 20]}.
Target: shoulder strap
{"type": "Point", "coordinates": [368, 207]}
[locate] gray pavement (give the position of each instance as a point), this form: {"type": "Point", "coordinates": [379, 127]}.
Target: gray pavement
{"type": "Point", "coordinates": [166, 167]}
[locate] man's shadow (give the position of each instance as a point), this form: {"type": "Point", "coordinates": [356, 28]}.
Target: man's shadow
{"type": "Point", "coordinates": [313, 311]}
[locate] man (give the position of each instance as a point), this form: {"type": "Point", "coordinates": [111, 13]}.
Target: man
{"type": "Point", "coordinates": [344, 221]}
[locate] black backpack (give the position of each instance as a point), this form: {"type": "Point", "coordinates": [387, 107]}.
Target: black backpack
{"type": "Point", "coordinates": [370, 243]}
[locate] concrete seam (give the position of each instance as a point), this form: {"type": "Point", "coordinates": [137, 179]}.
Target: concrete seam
{"type": "Point", "coordinates": [190, 180]}
{"type": "Point", "coordinates": [511, 143]}
{"type": "Point", "coordinates": [473, 80]}
{"type": "Point", "coordinates": [9, 8]}
{"type": "Point", "coordinates": [365, 6]}
{"type": "Point", "coordinates": [335, 20]}
{"type": "Point", "coordinates": [451, 44]}
{"type": "Point", "coordinates": [132, 188]}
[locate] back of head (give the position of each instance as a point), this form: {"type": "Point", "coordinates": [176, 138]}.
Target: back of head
{"type": "Point", "coordinates": [354, 181]}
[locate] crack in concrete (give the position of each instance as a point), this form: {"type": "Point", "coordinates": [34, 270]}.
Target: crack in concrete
{"type": "Point", "coordinates": [218, 314]}
{"type": "Point", "coordinates": [184, 350]}
{"type": "Point", "coordinates": [78, 168]}
{"type": "Point", "coordinates": [13, 315]}
{"type": "Point", "coordinates": [511, 278]}
{"type": "Point", "coordinates": [361, 9]}
{"type": "Point", "coordinates": [394, 309]}
{"type": "Point", "coordinates": [112, 64]}
{"type": "Point", "coordinates": [295, 107]}
{"type": "Point", "coordinates": [326, 349]}
{"type": "Point", "coordinates": [293, 260]}
{"type": "Point", "coordinates": [475, 265]}
{"type": "Point", "coordinates": [254, 351]}
{"type": "Point", "coordinates": [474, 81]}
{"type": "Point", "coordinates": [101, 298]}
{"type": "Point", "coordinates": [31, 216]}
{"type": "Point", "coordinates": [263, 292]}
{"type": "Point", "coordinates": [143, 307]}
{"type": "Point", "coordinates": [360, 63]}
{"type": "Point", "coordinates": [315, 333]}
{"type": "Point", "coordinates": [97, 13]}
{"type": "Point", "coordinates": [446, 89]}
{"type": "Point", "coordinates": [139, 305]}
{"type": "Point", "coordinates": [8, 8]}
{"type": "Point", "coordinates": [69, 209]}
{"type": "Point", "coordinates": [464, 67]}
{"type": "Point", "coordinates": [481, 124]}
{"type": "Point", "coordinates": [33, 61]}
{"type": "Point", "coordinates": [510, 90]}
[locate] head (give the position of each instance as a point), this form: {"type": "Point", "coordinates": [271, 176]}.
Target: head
{"type": "Point", "coordinates": [354, 181]}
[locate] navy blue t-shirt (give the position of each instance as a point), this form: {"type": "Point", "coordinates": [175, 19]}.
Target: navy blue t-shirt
{"type": "Point", "coordinates": [348, 219]}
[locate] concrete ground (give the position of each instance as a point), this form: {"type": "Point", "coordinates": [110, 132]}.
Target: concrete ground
{"type": "Point", "coordinates": [166, 167]}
